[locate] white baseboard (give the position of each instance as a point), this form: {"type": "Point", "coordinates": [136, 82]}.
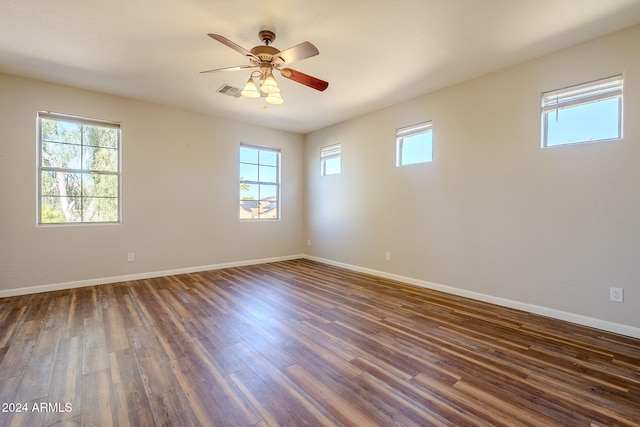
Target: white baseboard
{"type": "Point", "coordinates": [138, 276]}
{"type": "Point", "coordinates": [605, 325]}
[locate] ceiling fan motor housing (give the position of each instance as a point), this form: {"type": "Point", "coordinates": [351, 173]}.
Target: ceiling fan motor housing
{"type": "Point", "coordinates": [265, 53]}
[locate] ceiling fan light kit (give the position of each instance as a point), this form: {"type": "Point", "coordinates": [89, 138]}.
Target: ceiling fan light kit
{"type": "Point", "coordinates": [268, 86]}
{"type": "Point", "coordinates": [267, 58]}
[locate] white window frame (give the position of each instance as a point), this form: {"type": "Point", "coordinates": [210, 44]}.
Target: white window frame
{"type": "Point", "coordinates": [328, 154]}
{"type": "Point", "coordinates": [41, 168]}
{"type": "Point", "coordinates": [410, 131]}
{"type": "Point", "coordinates": [277, 183]}
{"type": "Point", "coordinates": [580, 95]}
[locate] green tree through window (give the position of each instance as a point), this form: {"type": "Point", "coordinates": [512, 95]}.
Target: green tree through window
{"type": "Point", "coordinates": [79, 170]}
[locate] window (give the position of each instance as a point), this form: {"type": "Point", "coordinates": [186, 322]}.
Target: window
{"type": "Point", "coordinates": [414, 144]}
{"type": "Point", "coordinates": [259, 182]}
{"type": "Point", "coordinates": [78, 170]}
{"type": "Point", "coordinates": [584, 113]}
{"type": "Point", "coordinates": [331, 160]}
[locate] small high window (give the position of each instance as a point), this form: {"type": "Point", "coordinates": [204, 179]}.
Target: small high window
{"type": "Point", "coordinates": [331, 160]}
{"type": "Point", "coordinates": [259, 182]}
{"type": "Point", "coordinates": [78, 170]}
{"type": "Point", "coordinates": [587, 112]}
{"type": "Point", "coordinates": [414, 144]}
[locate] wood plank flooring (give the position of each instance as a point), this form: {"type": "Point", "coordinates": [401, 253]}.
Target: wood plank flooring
{"type": "Point", "coordinates": [298, 343]}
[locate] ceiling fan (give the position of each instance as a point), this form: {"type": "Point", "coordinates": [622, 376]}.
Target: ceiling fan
{"type": "Point", "coordinates": [267, 58]}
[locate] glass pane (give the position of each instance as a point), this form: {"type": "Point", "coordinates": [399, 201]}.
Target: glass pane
{"type": "Point", "coordinates": [583, 123]}
{"type": "Point", "coordinates": [99, 185]}
{"type": "Point", "coordinates": [73, 184]}
{"type": "Point", "coordinates": [249, 191]}
{"type": "Point", "coordinates": [60, 209]}
{"type": "Point", "coordinates": [100, 136]}
{"type": "Point", "coordinates": [49, 184]}
{"type": "Point", "coordinates": [416, 148]}
{"type": "Point", "coordinates": [332, 166]}
{"type": "Point", "coordinates": [268, 174]}
{"type": "Point", "coordinates": [54, 130]}
{"type": "Point", "coordinates": [100, 209]}
{"type": "Point", "coordinates": [248, 155]}
{"type": "Point", "coordinates": [248, 172]}
{"type": "Point", "coordinates": [100, 159]}
{"type": "Point", "coordinates": [268, 192]}
{"type": "Point", "coordinates": [268, 209]}
{"type": "Point", "coordinates": [60, 184]}
{"type": "Point", "coordinates": [51, 211]}
{"type": "Point", "coordinates": [268, 158]}
{"type": "Point", "coordinates": [65, 156]}
{"type": "Point", "coordinates": [268, 201]}
{"type": "Point", "coordinates": [249, 209]}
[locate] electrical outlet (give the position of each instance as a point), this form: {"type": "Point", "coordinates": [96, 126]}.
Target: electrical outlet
{"type": "Point", "coordinates": [131, 257]}
{"type": "Point", "coordinates": [309, 242]}
{"type": "Point", "coordinates": [616, 294]}
{"type": "Point", "coordinates": [387, 256]}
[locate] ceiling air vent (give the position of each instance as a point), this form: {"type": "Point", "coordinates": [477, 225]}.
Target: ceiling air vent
{"type": "Point", "coordinates": [226, 89]}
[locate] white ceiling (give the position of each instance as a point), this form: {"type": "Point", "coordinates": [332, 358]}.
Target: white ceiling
{"type": "Point", "coordinates": [373, 53]}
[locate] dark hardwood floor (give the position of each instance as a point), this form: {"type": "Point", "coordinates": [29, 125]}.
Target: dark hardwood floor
{"type": "Point", "coordinates": [299, 343]}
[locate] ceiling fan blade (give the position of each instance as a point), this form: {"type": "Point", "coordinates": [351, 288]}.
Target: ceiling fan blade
{"type": "Point", "coordinates": [304, 79]}
{"type": "Point", "coordinates": [296, 53]}
{"type": "Point", "coordinates": [225, 41]}
{"type": "Point", "coordinates": [236, 68]}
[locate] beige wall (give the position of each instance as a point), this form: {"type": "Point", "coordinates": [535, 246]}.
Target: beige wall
{"type": "Point", "coordinates": [494, 214]}
{"type": "Point", "coordinates": [179, 192]}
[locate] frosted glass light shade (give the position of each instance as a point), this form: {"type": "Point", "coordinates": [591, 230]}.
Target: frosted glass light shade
{"type": "Point", "coordinates": [250, 90]}
{"type": "Point", "coordinates": [274, 98]}
{"type": "Point", "coordinates": [269, 85]}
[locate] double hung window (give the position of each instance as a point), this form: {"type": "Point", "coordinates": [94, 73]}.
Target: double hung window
{"type": "Point", "coordinates": [78, 170]}
{"type": "Point", "coordinates": [259, 182]}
